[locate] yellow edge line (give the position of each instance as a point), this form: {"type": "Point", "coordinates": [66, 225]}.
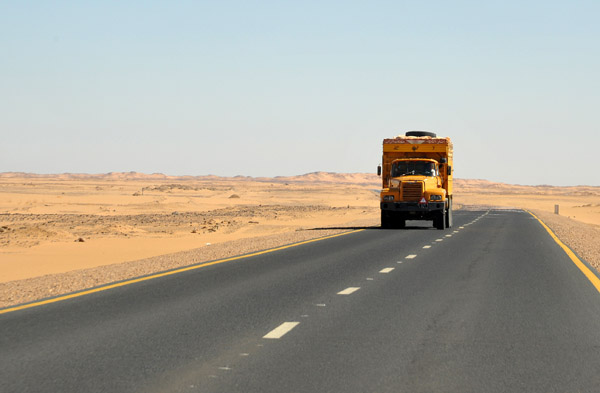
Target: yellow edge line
{"type": "Point", "coordinates": [169, 273]}
{"type": "Point", "coordinates": [584, 269]}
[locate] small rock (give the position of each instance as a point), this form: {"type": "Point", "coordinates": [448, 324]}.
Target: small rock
{"type": "Point", "coordinates": [234, 196]}
{"type": "Point", "coordinates": [80, 240]}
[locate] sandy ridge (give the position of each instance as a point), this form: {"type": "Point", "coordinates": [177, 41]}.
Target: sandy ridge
{"type": "Point", "coordinates": [313, 177]}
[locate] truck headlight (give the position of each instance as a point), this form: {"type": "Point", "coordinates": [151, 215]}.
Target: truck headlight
{"type": "Point", "coordinates": [435, 197]}
{"type": "Point", "coordinates": [388, 198]}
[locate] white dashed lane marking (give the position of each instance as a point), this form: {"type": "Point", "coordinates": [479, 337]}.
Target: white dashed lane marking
{"type": "Point", "coordinates": [386, 270]}
{"type": "Point", "coordinates": [348, 291]}
{"type": "Point", "coordinates": [439, 240]}
{"type": "Point", "coordinates": [426, 246]}
{"type": "Point", "coordinates": [281, 330]}
{"type": "Point", "coordinates": [411, 256]}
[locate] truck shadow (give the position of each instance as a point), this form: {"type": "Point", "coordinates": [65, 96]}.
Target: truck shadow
{"type": "Point", "coordinates": [377, 228]}
{"type": "Point", "coordinates": [349, 228]}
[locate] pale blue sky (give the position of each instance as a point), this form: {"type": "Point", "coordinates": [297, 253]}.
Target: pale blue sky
{"type": "Point", "coordinates": [283, 88]}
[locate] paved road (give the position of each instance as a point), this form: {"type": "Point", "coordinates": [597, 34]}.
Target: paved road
{"type": "Point", "coordinates": [493, 305]}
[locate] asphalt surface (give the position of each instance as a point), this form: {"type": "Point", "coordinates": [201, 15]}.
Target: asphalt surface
{"type": "Point", "coordinates": [495, 306]}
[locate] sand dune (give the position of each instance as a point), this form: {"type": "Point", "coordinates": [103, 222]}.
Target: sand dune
{"type": "Point", "coordinates": [314, 177]}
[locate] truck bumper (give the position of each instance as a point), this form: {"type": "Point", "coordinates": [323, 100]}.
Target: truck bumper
{"type": "Point", "coordinates": [413, 208]}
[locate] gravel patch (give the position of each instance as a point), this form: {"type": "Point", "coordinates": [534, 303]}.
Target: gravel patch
{"type": "Point", "coordinates": [582, 238]}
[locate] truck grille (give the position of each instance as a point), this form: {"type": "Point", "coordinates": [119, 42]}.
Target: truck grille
{"type": "Point", "coordinates": [412, 191]}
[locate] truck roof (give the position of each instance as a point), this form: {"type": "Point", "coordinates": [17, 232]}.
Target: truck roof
{"type": "Point", "coordinates": [417, 140]}
{"type": "Point", "coordinates": [415, 159]}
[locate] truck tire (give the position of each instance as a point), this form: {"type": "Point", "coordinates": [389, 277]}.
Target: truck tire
{"type": "Point", "coordinates": [421, 133]}
{"type": "Point", "coordinates": [386, 222]}
{"type": "Point", "coordinates": [449, 214]}
{"type": "Point", "coordinates": [440, 220]}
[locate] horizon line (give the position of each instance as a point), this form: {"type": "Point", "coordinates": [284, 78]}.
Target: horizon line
{"type": "Point", "coordinates": [141, 175]}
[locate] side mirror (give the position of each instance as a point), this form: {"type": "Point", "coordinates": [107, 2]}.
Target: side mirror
{"type": "Point", "coordinates": [443, 160]}
{"type": "Point", "coordinates": [449, 170]}
{"type": "Point", "coordinates": [379, 170]}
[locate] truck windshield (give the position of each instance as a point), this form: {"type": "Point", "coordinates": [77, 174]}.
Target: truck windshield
{"type": "Point", "coordinates": [419, 168]}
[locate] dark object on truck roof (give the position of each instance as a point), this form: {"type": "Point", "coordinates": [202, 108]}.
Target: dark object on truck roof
{"type": "Point", "coordinates": [421, 133]}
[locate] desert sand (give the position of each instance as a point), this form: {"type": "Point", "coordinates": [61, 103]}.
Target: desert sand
{"type": "Point", "coordinates": [60, 233]}
{"type": "Point", "coordinates": [60, 223]}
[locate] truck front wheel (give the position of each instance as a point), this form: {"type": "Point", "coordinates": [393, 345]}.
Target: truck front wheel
{"type": "Point", "coordinates": [386, 220]}
{"type": "Point", "coordinates": [440, 220]}
{"type": "Point", "coordinates": [449, 214]}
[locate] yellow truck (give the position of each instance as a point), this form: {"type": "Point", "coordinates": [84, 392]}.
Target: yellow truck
{"type": "Point", "coordinates": [416, 173]}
